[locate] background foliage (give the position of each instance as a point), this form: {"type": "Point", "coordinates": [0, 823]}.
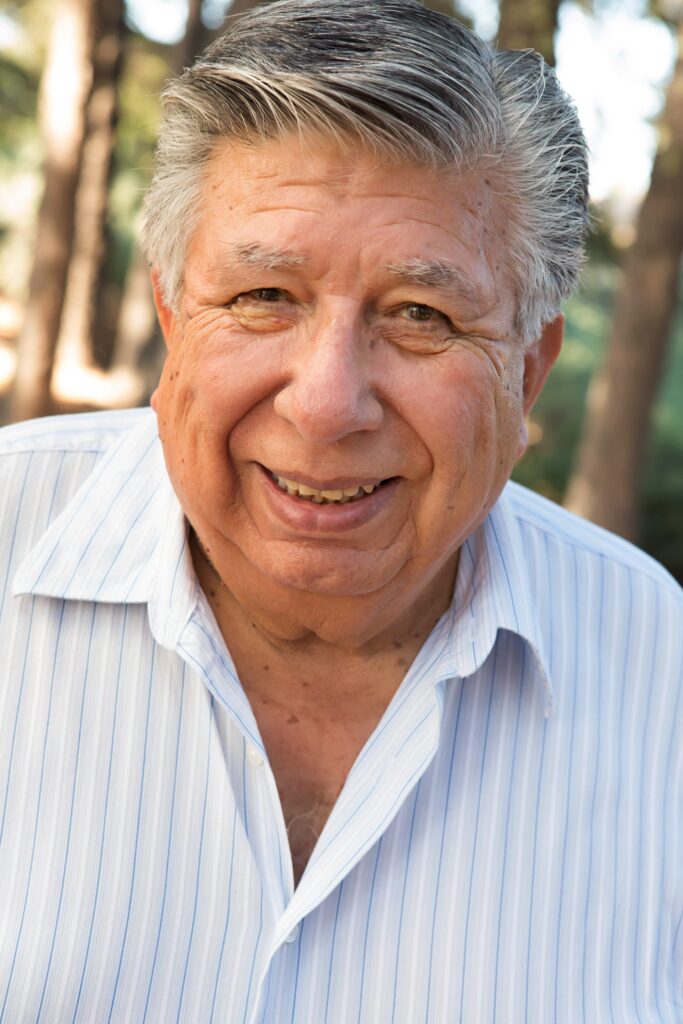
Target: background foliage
{"type": "Point", "coordinates": [124, 370]}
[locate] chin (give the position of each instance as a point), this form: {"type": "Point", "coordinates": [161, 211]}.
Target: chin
{"type": "Point", "coordinates": [330, 574]}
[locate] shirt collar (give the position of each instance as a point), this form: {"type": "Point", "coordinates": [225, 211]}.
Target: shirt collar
{"type": "Point", "coordinates": [123, 539]}
{"type": "Point", "coordinates": [493, 592]}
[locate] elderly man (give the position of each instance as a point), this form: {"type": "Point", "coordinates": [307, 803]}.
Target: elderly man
{"type": "Point", "coordinates": [306, 715]}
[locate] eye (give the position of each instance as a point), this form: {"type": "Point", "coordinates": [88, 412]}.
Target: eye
{"type": "Point", "coordinates": [421, 313]}
{"type": "Point", "coordinates": [268, 294]}
{"type": "Point", "coordinates": [263, 309]}
{"type": "Point", "coordinates": [260, 295]}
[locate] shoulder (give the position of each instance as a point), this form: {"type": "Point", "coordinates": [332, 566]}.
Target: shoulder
{"type": "Point", "coordinates": [81, 432]}
{"type": "Point", "coordinates": [44, 463]}
{"type": "Point", "coordinates": [608, 614]}
{"type": "Point", "coordinates": [550, 532]}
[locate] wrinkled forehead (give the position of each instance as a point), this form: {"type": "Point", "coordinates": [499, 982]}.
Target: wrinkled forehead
{"type": "Point", "coordinates": [248, 188]}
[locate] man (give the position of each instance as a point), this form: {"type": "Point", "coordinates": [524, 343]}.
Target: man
{"type": "Point", "coordinates": [307, 716]}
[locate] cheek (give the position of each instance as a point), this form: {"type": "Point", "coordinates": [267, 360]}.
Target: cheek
{"type": "Point", "coordinates": [193, 443]}
{"type": "Point", "coordinates": [469, 421]}
{"type": "Point", "coordinates": [175, 397]}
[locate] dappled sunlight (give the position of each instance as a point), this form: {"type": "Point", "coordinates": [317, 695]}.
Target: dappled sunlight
{"type": "Point", "coordinates": [119, 388]}
{"type": "Point", "coordinates": [8, 367]}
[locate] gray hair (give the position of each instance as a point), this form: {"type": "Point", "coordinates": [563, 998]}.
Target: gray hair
{"type": "Point", "coordinates": [411, 84]}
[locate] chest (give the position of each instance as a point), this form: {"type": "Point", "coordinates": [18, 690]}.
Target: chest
{"type": "Point", "coordinates": [310, 759]}
{"type": "Point", "coordinates": [499, 880]}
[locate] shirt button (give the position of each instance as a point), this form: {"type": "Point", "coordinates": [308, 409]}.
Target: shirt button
{"type": "Point", "coordinates": [254, 756]}
{"type": "Point", "coordinates": [293, 935]}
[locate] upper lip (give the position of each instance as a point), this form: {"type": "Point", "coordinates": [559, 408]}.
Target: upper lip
{"type": "Point", "coordinates": [329, 484]}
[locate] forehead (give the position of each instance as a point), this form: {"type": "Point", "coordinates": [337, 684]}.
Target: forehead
{"type": "Point", "coordinates": [299, 204]}
{"type": "Point", "coordinates": [244, 173]}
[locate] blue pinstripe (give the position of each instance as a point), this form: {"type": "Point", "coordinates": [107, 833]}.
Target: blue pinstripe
{"type": "Point", "coordinates": [198, 875]}
{"type": "Point", "coordinates": [475, 837]}
{"type": "Point", "coordinates": [449, 795]}
{"type": "Point", "coordinates": [403, 896]}
{"type": "Point", "coordinates": [364, 957]}
{"type": "Point", "coordinates": [227, 916]}
{"type": "Point", "coordinates": [565, 833]}
{"type": "Point", "coordinates": [22, 491]}
{"type": "Point", "coordinates": [35, 826]}
{"type": "Point", "coordinates": [639, 857]}
{"type": "Point", "coordinates": [669, 776]}
{"type": "Point", "coordinates": [507, 832]}
{"type": "Point", "coordinates": [71, 814]}
{"type": "Point", "coordinates": [16, 722]}
{"type": "Point", "coordinates": [135, 847]}
{"type": "Point", "coordinates": [598, 681]}
{"type": "Point", "coordinates": [297, 969]}
{"type": "Point", "coordinates": [168, 849]}
{"type": "Point", "coordinates": [104, 820]}
{"type": "Point", "coordinates": [340, 889]}
{"type": "Point", "coordinates": [615, 850]}
{"type": "Point", "coordinates": [497, 814]}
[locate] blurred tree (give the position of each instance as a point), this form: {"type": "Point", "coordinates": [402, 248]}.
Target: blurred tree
{"type": "Point", "coordinates": [528, 24]}
{"type": "Point", "coordinates": [85, 326]}
{"type": "Point", "coordinates": [604, 484]}
{"type": "Point", "coordinates": [138, 343]}
{"type": "Point", "coordinates": [194, 38]}
{"type": "Point", "coordinates": [64, 89]}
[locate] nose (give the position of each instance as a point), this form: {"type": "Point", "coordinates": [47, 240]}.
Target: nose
{"type": "Point", "coordinates": [329, 393]}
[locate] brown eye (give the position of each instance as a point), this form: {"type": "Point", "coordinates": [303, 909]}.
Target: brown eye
{"type": "Point", "coordinates": [259, 296]}
{"type": "Point", "coordinates": [267, 294]}
{"type": "Point", "coordinates": [421, 313]}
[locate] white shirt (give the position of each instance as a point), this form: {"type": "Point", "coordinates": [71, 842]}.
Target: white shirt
{"type": "Point", "coordinates": [507, 848]}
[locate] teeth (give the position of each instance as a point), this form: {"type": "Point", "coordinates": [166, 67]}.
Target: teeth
{"type": "Point", "coordinates": [325, 497]}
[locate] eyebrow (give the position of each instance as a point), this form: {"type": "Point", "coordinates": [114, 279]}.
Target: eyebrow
{"type": "Point", "coordinates": [438, 274]}
{"type": "Point", "coordinates": [260, 257]}
{"type": "Point", "coordinates": [428, 273]}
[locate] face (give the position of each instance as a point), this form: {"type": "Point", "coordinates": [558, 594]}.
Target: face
{"type": "Point", "coordinates": [344, 394]}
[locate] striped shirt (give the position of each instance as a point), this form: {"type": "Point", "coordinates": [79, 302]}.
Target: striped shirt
{"type": "Point", "coordinates": [508, 846]}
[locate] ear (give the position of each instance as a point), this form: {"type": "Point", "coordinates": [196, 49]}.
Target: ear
{"type": "Point", "coordinates": [167, 319]}
{"type": "Point", "coordinates": [538, 362]}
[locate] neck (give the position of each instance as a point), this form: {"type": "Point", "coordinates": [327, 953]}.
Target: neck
{"type": "Point", "coordinates": [281, 652]}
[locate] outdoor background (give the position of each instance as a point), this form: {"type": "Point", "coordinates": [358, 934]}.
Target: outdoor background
{"type": "Point", "coordinates": [79, 85]}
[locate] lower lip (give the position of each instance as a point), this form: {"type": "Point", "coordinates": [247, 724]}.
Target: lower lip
{"type": "Point", "coordinates": [309, 517]}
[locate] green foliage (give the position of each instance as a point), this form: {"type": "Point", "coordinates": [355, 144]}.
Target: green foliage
{"type": "Point", "coordinates": [558, 416]}
{"type": "Point", "coordinates": [559, 413]}
{"type": "Point", "coordinates": [18, 88]}
{"type": "Point", "coordinates": [144, 73]}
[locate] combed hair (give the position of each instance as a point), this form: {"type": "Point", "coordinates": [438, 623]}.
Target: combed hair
{"type": "Point", "coordinates": [409, 83]}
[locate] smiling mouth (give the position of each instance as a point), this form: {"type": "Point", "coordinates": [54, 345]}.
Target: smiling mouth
{"type": "Point", "coordinates": [331, 496]}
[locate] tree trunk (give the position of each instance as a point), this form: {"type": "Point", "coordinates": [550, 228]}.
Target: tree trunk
{"type": "Point", "coordinates": [604, 484]}
{"type": "Point", "coordinates": [528, 24]}
{"type": "Point", "coordinates": [63, 94]}
{"type": "Point", "coordinates": [194, 38]}
{"type": "Point", "coordinates": [84, 313]}
{"type": "Point", "coordinates": [136, 328]}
